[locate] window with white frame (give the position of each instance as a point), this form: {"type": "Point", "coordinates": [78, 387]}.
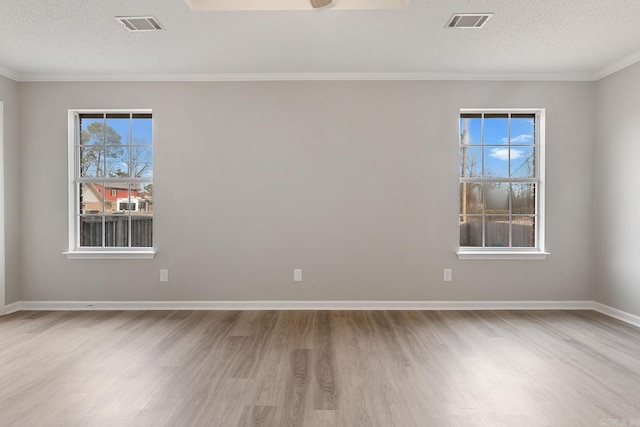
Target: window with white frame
{"type": "Point", "coordinates": [111, 182]}
{"type": "Point", "coordinates": [501, 174]}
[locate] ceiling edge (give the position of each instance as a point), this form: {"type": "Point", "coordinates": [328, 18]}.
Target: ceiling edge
{"type": "Point", "coordinates": [251, 77]}
{"type": "Point", "coordinates": [10, 74]}
{"type": "Point", "coordinates": [248, 77]}
{"type": "Point", "coordinates": [617, 66]}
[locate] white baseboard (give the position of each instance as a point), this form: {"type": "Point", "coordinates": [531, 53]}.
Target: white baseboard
{"type": "Point", "coordinates": [306, 305]}
{"type": "Point", "coordinates": [324, 305]}
{"type": "Point", "coordinates": [13, 307]}
{"type": "Point", "coordinates": [617, 314]}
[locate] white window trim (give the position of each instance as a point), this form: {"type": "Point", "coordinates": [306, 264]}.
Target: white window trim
{"type": "Point", "coordinates": [511, 255]}
{"type": "Point", "coordinates": [89, 253]}
{"type": "Point", "coordinates": [116, 254]}
{"type": "Point", "coordinates": [539, 253]}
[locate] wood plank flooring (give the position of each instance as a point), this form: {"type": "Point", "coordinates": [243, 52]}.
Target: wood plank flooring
{"type": "Point", "coordinates": [318, 368]}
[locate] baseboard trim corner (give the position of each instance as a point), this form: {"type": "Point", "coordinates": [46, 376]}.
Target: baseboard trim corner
{"type": "Point", "coordinates": [13, 307]}
{"type": "Point", "coordinates": [624, 316]}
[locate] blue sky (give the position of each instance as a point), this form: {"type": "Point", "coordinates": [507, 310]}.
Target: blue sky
{"type": "Point", "coordinates": [142, 135]}
{"type": "Point", "coordinates": [496, 140]}
{"type": "Point", "coordinates": [141, 129]}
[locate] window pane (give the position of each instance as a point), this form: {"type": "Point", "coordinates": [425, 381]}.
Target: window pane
{"type": "Point", "coordinates": [471, 231]}
{"type": "Point", "coordinates": [496, 161]}
{"type": "Point", "coordinates": [117, 129]}
{"type": "Point", "coordinates": [496, 133]}
{"type": "Point", "coordinates": [470, 129]}
{"type": "Point", "coordinates": [522, 129]}
{"type": "Point", "coordinates": [470, 198]}
{"type": "Point", "coordinates": [141, 231]}
{"type": "Point", "coordinates": [522, 162]}
{"type": "Point", "coordinates": [523, 232]}
{"type": "Point", "coordinates": [496, 129]}
{"type": "Point", "coordinates": [112, 193]}
{"type": "Point", "coordinates": [497, 231]}
{"type": "Point", "coordinates": [116, 232]}
{"type": "Point", "coordinates": [496, 198]}
{"type": "Point", "coordinates": [471, 158]}
{"type": "Point", "coordinates": [91, 161]}
{"type": "Point", "coordinates": [145, 196]}
{"type": "Point", "coordinates": [90, 196]}
{"type": "Point", "coordinates": [117, 161]}
{"type": "Point", "coordinates": [91, 129]}
{"type": "Point", "coordinates": [99, 144]}
{"type": "Point", "coordinates": [115, 138]}
{"type": "Point", "coordinates": [94, 130]}
{"type": "Point", "coordinates": [90, 231]}
{"type": "Point", "coordinates": [141, 219]}
{"type": "Point", "coordinates": [124, 200]}
{"type": "Point", "coordinates": [523, 199]}
{"type": "Point", "coordinates": [142, 129]}
{"type": "Point", "coordinates": [141, 162]}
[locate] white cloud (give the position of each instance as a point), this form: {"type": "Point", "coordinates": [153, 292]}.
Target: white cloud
{"type": "Point", "coordinates": [520, 139]}
{"type": "Point", "coordinates": [503, 154]}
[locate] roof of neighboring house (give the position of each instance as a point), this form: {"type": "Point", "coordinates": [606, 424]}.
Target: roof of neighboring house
{"type": "Point", "coordinates": [94, 190]}
{"type": "Point", "coordinates": [121, 190]}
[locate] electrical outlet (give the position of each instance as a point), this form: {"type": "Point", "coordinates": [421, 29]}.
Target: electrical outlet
{"type": "Point", "coordinates": [447, 275]}
{"type": "Point", "coordinates": [164, 275]}
{"type": "Point", "coordinates": [297, 275]}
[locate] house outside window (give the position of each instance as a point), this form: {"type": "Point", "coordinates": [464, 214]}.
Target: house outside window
{"type": "Point", "coordinates": [501, 184]}
{"type": "Point", "coordinates": [110, 184]}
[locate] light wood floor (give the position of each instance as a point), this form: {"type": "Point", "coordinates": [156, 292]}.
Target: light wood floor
{"type": "Point", "coordinates": [318, 368]}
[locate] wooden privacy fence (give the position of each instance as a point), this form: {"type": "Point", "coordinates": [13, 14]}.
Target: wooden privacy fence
{"type": "Point", "coordinates": [523, 235]}
{"type": "Point", "coordinates": [116, 231]}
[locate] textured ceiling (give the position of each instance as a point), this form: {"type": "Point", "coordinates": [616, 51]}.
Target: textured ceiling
{"type": "Point", "coordinates": [76, 38]}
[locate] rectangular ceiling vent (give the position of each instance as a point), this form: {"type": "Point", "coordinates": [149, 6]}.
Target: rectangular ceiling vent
{"type": "Point", "coordinates": [468, 20]}
{"type": "Point", "coordinates": [140, 23]}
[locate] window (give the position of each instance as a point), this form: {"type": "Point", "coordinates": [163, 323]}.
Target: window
{"type": "Point", "coordinates": [110, 180]}
{"type": "Point", "coordinates": [501, 174]}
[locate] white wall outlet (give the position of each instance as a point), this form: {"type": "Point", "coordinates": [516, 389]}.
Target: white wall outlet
{"type": "Point", "coordinates": [297, 275]}
{"type": "Point", "coordinates": [164, 275]}
{"type": "Point", "coordinates": [447, 275]}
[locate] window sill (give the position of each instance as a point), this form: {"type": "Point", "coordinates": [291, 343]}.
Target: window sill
{"type": "Point", "coordinates": [511, 255]}
{"type": "Point", "coordinates": [110, 254]}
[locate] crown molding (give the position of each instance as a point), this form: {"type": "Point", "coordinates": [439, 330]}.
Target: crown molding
{"type": "Point", "coordinates": [617, 66]}
{"type": "Point", "coordinates": [258, 77]}
{"type": "Point", "coordinates": [10, 74]}
{"type": "Point", "coordinates": [255, 77]}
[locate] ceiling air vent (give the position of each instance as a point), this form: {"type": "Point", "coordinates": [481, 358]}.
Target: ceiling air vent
{"type": "Point", "coordinates": [140, 23]}
{"type": "Point", "coordinates": [468, 20]}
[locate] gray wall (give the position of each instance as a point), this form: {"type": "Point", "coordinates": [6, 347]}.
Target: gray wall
{"type": "Point", "coordinates": [9, 96]}
{"type": "Point", "coordinates": [356, 182]}
{"type": "Point", "coordinates": [616, 184]}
